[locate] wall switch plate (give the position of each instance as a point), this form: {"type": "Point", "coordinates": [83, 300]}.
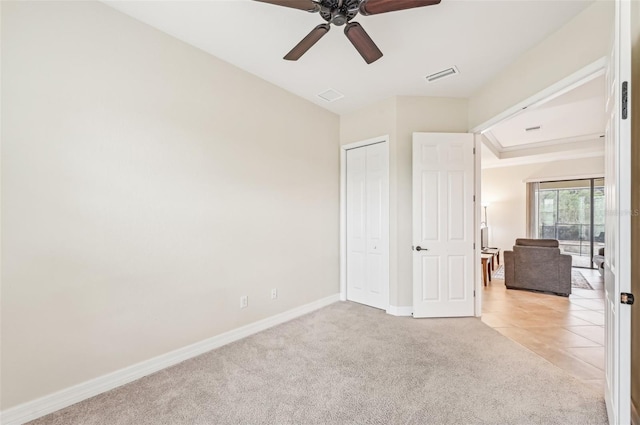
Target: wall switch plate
{"type": "Point", "coordinates": [274, 293]}
{"type": "Point", "coordinates": [244, 301]}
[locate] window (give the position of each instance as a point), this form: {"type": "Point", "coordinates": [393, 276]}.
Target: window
{"type": "Point", "coordinates": [571, 211]}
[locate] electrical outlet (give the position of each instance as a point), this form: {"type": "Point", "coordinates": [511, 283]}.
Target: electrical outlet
{"type": "Point", "coordinates": [244, 301]}
{"type": "Point", "coordinates": [274, 293]}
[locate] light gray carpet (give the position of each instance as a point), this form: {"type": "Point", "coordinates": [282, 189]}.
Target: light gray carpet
{"type": "Point", "coordinates": [350, 364]}
{"type": "Point", "coordinates": [577, 279]}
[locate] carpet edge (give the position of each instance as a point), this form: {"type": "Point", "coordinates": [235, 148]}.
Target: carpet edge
{"type": "Point", "coordinates": [544, 359]}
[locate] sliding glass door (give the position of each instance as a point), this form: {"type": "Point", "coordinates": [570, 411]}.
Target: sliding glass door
{"type": "Point", "coordinates": [572, 211]}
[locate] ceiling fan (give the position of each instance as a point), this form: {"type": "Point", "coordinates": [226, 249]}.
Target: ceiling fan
{"type": "Point", "coordinates": [341, 12]}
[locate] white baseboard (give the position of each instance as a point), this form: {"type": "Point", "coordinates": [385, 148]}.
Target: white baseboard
{"type": "Point", "coordinates": [43, 406]}
{"type": "Point", "coordinates": [400, 311]}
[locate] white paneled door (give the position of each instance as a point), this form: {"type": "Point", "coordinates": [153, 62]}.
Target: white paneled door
{"type": "Point", "coordinates": [443, 225]}
{"type": "Point", "coordinates": [618, 221]}
{"type": "Point", "coordinates": [368, 225]}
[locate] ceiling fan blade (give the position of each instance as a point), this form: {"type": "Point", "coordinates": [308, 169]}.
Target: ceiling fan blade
{"type": "Point", "coordinates": [373, 7]}
{"type": "Point", "coordinates": [312, 38]}
{"type": "Point", "coordinates": [362, 42]}
{"type": "Point", "coordinates": [307, 5]}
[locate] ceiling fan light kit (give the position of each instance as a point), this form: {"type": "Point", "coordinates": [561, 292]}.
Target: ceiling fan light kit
{"type": "Point", "coordinates": [341, 12]}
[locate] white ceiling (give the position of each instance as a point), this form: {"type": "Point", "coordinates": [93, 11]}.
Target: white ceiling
{"type": "Point", "coordinates": [571, 126]}
{"type": "Point", "coordinates": [480, 37]}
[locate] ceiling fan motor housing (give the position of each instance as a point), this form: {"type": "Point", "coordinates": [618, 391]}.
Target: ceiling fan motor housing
{"type": "Point", "coordinates": [339, 12]}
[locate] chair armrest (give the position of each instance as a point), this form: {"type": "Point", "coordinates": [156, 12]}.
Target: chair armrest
{"type": "Point", "coordinates": [565, 264]}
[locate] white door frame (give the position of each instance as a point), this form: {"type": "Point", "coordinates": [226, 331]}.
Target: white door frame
{"type": "Point", "coordinates": [343, 213]}
{"type": "Point", "coordinates": [477, 207]}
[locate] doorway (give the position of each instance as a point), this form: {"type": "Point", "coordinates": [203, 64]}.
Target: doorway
{"type": "Point", "coordinates": [614, 306]}
{"type": "Point", "coordinates": [557, 197]}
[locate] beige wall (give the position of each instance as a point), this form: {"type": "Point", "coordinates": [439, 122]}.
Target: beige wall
{"type": "Point", "coordinates": [582, 41]}
{"type": "Point", "coordinates": [399, 117]}
{"type": "Point", "coordinates": [505, 190]}
{"type": "Point", "coordinates": [146, 186]}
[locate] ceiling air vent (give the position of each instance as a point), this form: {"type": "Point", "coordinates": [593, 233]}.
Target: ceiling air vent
{"type": "Point", "coordinates": [330, 95]}
{"type": "Point", "coordinates": [533, 128]}
{"type": "Point", "coordinates": [442, 74]}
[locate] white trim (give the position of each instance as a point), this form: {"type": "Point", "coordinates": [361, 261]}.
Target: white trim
{"type": "Point", "coordinates": [343, 211]}
{"type": "Point", "coordinates": [492, 143]}
{"type": "Point", "coordinates": [37, 408]}
{"type": "Point", "coordinates": [542, 158]}
{"type": "Point", "coordinates": [563, 86]}
{"type": "Point", "coordinates": [478, 287]}
{"type": "Point", "coordinates": [343, 224]}
{"type": "Point", "coordinates": [561, 178]}
{"type": "Point", "coordinates": [402, 311]}
{"type": "Point", "coordinates": [554, 142]}
{"type": "Point", "coordinates": [381, 139]}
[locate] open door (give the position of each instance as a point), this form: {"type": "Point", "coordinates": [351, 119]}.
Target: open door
{"type": "Point", "coordinates": [443, 225]}
{"type": "Point", "coordinates": [618, 221]}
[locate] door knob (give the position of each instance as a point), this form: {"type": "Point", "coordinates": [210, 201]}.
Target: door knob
{"type": "Point", "coordinates": [419, 248]}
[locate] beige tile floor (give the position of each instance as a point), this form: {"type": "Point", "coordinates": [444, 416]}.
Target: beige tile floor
{"type": "Point", "coordinates": [568, 332]}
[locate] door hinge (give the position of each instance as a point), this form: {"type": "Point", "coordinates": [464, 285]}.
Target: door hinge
{"type": "Point", "coordinates": [625, 100]}
{"type": "Point", "coordinates": [626, 298]}
{"type": "Point", "coordinates": [474, 293]}
{"type": "Point", "coordinates": [474, 151]}
{"type": "Point", "coordinates": [474, 246]}
{"type": "Point", "coordinates": [474, 198]}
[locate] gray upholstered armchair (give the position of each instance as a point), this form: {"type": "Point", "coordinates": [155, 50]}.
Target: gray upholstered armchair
{"type": "Point", "coordinates": [536, 264]}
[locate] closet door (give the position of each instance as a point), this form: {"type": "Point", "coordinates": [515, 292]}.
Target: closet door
{"type": "Point", "coordinates": [368, 225]}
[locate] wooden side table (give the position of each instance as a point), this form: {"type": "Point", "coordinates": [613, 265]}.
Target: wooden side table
{"type": "Point", "coordinates": [495, 252]}
{"type": "Point", "coordinates": [487, 260]}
